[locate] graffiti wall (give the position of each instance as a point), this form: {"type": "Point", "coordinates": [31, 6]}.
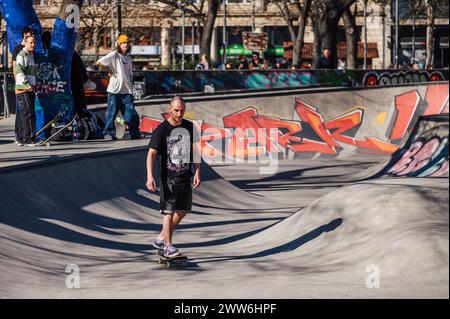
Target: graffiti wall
{"type": "Point", "coordinates": [309, 125]}
{"type": "Point", "coordinates": [182, 82]}
{"type": "Point", "coordinates": [426, 152]}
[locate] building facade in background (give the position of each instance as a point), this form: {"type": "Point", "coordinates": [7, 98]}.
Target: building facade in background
{"type": "Point", "coordinates": [156, 32]}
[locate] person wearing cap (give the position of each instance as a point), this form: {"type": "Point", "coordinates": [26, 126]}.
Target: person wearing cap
{"type": "Point", "coordinates": [118, 64]}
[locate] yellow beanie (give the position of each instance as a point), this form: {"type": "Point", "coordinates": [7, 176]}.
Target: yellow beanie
{"type": "Point", "coordinates": [122, 39]}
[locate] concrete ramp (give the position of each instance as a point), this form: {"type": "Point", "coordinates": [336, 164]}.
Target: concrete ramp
{"type": "Point", "coordinates": [330, 222]}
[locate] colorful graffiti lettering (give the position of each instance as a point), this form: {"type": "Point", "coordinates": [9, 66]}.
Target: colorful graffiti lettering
{"type": "Point", "coordinates": [246, 133]}
{"type": "Point", "coordinates": [403, 77]}
{"type": "Point", "coordinates": [177, 82]}
{"type": "Point", "coordinates": [424, 158]}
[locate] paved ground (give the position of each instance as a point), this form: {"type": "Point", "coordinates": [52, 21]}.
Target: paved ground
{"type": "Point", "coordinates": [271, 237]}
{"type": "Point", "coordinates": [316, 228]}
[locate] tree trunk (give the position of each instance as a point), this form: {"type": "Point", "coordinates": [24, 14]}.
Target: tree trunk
{"type": "Point", "coordinates": [350, 36]}
{"type": "Point", "coordinates": [213, 8]}
{"type": "Point", "coordinates": [296, 53]}
{"type": "Point", "coordinates": [327, 16]}
{"type": "Point", "coordinates": [316, 47]}
{"type": "Point", "coordinates": [198, 35]}
{"type": "Point", "coordinates": [430, 34]}
{"type": "Point", "coordinates": [300, 41]}
{"type": "Point", "coordinates": [96, 44]}
{"type": "Point", "coordinates": [326, 23]}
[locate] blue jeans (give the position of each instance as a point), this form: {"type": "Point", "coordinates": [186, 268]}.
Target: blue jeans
{"type": "Point", "coordinates": [124, 103]}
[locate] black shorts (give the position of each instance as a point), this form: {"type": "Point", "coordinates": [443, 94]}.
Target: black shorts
{"type": "Point", "coordinates": [176, 195]}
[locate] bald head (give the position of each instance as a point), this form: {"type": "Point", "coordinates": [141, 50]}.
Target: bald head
{"type": "Point", "coordinates": [177, 108]}
{"type": "Point", "coordinates": [177, 101]}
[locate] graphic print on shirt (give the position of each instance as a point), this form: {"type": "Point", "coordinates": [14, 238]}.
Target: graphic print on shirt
{"type": "Point", "coordinates": [178, 151]}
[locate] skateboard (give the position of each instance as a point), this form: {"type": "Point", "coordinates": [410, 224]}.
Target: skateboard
{"type": "Point", "coordinates": [120, 125]}
{"type": "Point", "coordinates": [179, 261]}
{"type": "Point", "coordinates": [59, 128]}
{"type": "Point", "coordinates": [52, 123]}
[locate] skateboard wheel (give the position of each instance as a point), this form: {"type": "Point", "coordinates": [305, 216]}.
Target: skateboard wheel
{"type": "Point", "coordinates": [69, 128]}
{"type": "Point", "coordinates": [53, 124]}
{"type": "Point", "coordinates": [48, 144]}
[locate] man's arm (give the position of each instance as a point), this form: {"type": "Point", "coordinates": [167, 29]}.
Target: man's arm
{"type": "Point", "coordinates": [104, 68]}
{"type": "Point", "coordinates": [197, 178]}
{"type": "Point", "coordinates": [151, 184]}
{"type": "Point", "coordinates": [104, 64]}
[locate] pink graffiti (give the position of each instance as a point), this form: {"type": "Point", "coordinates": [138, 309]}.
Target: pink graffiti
{"type": "Point", "coordinates": [418, 156]}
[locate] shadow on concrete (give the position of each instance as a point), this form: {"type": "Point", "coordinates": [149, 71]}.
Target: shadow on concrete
{"type": "Point", "coordinates": [290, 246]}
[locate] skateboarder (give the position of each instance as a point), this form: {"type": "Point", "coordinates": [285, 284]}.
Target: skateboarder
{"type": "Point", "coordinates": [174, 141]}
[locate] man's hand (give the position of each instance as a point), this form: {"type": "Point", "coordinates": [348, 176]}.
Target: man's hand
{"type": "Point", "coordinates": [197, 180]}
{"type": "Point", "coordinates": [151, 184]}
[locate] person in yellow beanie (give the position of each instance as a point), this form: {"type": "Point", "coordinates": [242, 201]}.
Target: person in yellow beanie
{"type": "Point", "coordinates": [120, 89]}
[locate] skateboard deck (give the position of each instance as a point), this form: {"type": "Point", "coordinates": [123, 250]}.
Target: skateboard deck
{"type": "Point", "coordinates": [52, 123]}
{"type": "Point", "coordinates": [172, 262]}
{"type": "Point", "coordinates": [59, 128]}
{"type": "Point", "coordinates": [120, 126]}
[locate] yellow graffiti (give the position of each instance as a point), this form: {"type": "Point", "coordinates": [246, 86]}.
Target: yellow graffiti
{"type": "Point", "coordinates": [381, 117]}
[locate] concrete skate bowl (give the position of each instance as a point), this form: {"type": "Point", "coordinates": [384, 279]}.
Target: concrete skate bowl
{"type": "Point", "coordinates": [93, 212]}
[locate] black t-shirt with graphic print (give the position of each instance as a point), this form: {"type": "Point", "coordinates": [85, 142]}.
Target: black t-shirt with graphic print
{"type": "Point", "coordinates": [175, 147]}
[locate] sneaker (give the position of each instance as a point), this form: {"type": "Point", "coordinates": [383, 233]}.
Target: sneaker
{"type": "Point", "coordinates": [170, 251]}
{"type": "Point", "coordinates": [30, 144]}
{"type": "Point", "coordinates": [19, 143]}
{"type": "Point", "coordinates": [159, 243]}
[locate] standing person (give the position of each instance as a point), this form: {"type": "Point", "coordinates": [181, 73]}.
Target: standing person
{"type": "Point", "coordinates": [204, 62]}
{"type": "Point", "coordinates": [325, 60]}
{"type": "Point", "coordinates": [266, 64]}
{"type": "Point", "coordinates": [243, 64]}
{"type": "Point", "coordinates": [25, 75]}
{"type": "Point", "coordinates": [26, 32]}
{"type": "Point", "coordinates": [79, 77]}
{"type": "Point", "coordinates": [256, 62]}
{"type": "Point", "coordinates": [120, 89]}
{"type": "Point", "coordinates": [173, 141]}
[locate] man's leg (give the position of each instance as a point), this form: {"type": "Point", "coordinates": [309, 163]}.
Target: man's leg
{"type": "Point", "coordinates": [110, 115]}
{"type": "Point", "coordinates": [166, 232]}
{"type": "Point", "coordinates": [16, 126]}
{"type": "Point", "coordinates": [31, 114]}
{"type": "Point", "coordinates": [130, 115]}
{"type": "Point", "coordinates": [21, 120]}
{"type": "Point", "coordinates": [170, 222]}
